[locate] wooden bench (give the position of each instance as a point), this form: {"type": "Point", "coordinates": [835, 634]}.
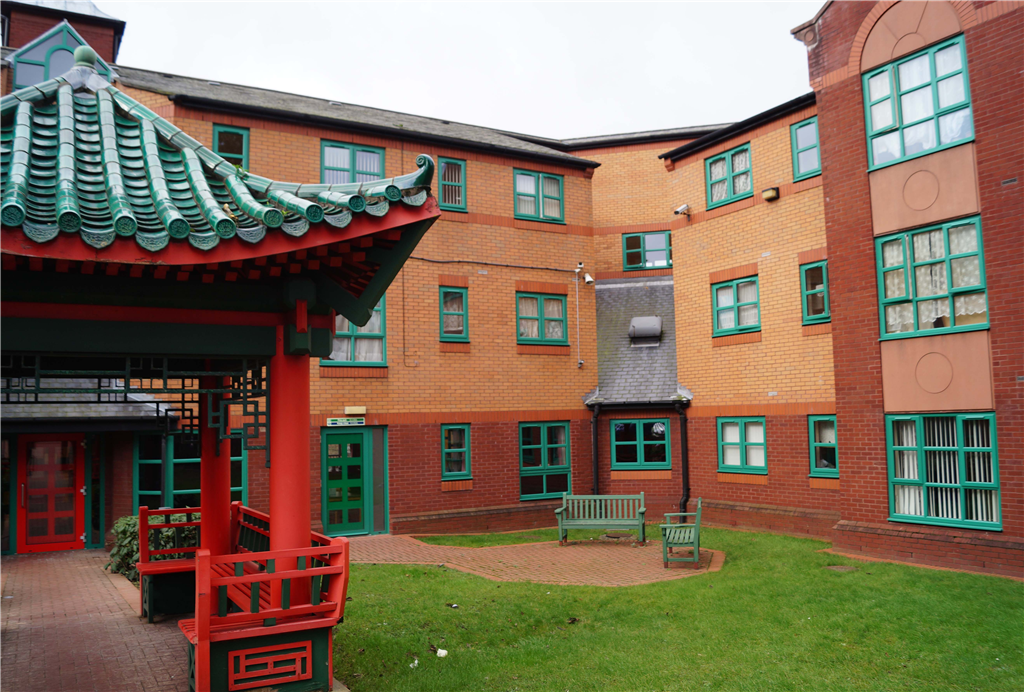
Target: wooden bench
{"type": "Point", "coordinates": [681, 535]}
{"type": "Point", "coordinates": [600, 512]}
{"type": "Point", "coordinates": [166, 584]}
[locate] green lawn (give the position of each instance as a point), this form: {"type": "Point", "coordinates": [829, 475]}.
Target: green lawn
{"type": "Point", "coordinates": [772, 619]}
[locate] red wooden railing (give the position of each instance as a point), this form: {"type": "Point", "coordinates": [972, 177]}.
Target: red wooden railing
{"type": "Point", "coordinates": [146, 554]}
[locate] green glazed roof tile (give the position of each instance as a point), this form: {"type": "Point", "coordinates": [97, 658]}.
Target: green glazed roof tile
{"type": "Point", "coordinates": [77, 155]}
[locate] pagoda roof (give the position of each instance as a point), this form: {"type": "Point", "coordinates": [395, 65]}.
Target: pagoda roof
{"type": "Point", "coordinates": [79, 156]}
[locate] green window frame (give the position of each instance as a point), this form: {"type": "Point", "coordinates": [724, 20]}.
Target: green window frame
{"type": "Point", "coordinates": [646, 250]}
{"type": "Point", "coordinates": [349, 163]}
{"type": "Point", "coordinates": [545, 460]}
{"type": "Point", "coordinates": [454, 306]}
{"type": "Point", "coordinates": [823, 435]}
{"type": "Point", "coordinates": [641, 444]}
{"type": "Point", "coordinates": [944, 469]}
{"type": "Point", "coordinates": [814, 293]}
{"type": "Point", "coordinates": [742, 445]}
{"type": "Point", "coordinates": [729, 176]}
{"type": "Point", "coordinates": [918, 104]}
{"type": "Point", "coordinates": [932, 276]}
{"type": "Point", "coordinates": [806, 149]}
{"type": "Point", "coordinates": [452, 179]}
{"type": "Point", "coordinates": [34, 62]}
{"type": "Point", "coordinates": [365, 346]}
{"type": "Point", "coordinates": [176, 483]}
{"type": "Point", "coordinates": [455, 446]}
{"type": "Point", "coordinates": [542, 321]}
{"type": "Point", "coordinates": [240, 159]}
{"type": "Point", "coordinates": [539, 196]}
{"type": "Point", "coordinates": [731, 306]}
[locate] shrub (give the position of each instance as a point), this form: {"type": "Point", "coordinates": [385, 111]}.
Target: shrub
{"type": "Point", "coordinates": [125, 552]}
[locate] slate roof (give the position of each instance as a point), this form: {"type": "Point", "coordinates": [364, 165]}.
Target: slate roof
{"type": "Point", "coordinates": [72, 405]}
{"type": "Point", "coordinates": [77, 155]}
{"type": "Point", "coordinates": [204, 92]}
{"type": "Point", "coordinates": [635, 375]}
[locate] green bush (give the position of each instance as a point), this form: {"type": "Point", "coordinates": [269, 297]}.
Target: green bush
{"type": "Point", "coordinates": [125, 552]}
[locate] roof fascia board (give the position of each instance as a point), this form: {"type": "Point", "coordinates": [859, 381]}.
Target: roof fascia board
{"type": "Point", "coordinates": [291, 116]}
{"type": "Point", "coordinates": [740, 127]}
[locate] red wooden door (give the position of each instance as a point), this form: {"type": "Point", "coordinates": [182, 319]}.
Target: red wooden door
{"type": "Point", "coordinates": [51, 504]}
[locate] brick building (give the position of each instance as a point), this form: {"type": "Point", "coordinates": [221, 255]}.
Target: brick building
{"type": "Point", "coordinates": [560, 328]}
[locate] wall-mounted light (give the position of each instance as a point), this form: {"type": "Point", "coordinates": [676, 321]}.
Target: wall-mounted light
{"type": "Point", "coordinates": [770, 195]}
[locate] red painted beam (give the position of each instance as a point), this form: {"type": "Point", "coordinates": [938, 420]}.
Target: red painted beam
{"type": "Point", "coordinates": [118, 313]}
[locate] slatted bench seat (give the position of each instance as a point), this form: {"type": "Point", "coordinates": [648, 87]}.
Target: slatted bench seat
{"type": "Point", "coordinates": [681, 535]}
{"type": "Point", "coordinates": [601, 512]}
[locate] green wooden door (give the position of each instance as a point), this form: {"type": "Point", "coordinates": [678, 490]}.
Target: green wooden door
{"type": "Point", "coordinates": [346, 482]}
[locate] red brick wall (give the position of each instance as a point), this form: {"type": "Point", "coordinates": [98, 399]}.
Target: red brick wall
{"type": "Point", "coordinates": [119, 497]}
{"type": "Point", "coordinates": [993, 54]}
{"type": "Point", "coordinates": [27, 25]}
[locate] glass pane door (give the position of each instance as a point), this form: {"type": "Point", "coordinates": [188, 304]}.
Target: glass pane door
{"type": "Point", "coordinates": [346, 476]}
{"type": "Point", "coordinates": [50, 492]}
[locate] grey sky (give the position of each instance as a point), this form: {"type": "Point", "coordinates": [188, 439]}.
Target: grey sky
{"type": "Point", "coordinates": [555, 70]}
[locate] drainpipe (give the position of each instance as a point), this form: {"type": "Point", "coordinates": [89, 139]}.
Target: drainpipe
{"type": "Point", "coordinates": [684, 455]}
{"type": "Point", "coordinates": [593, 442]}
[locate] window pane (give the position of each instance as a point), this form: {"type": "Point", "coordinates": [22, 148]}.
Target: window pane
{"type": "Point", "coordinates": [814, 278]}
{"type": "Point", "coordinates": [825, 457]}
{"type": "Point", "coordinates": [236, 447]}
{"type": "Point", "coordinates": [29, 74]}
{"type": "Point", "coordinates": [556, 435]}
{"type": "Point", "coordinates": [236, 473]}
{"type": "Point", "coordinates": [186, 447]}
{"type": "Point", "coordinates": [746, 292]}
{"type": "Point", "coordinates": [454, 325]}
{"type": "Point", "coordinates": [654, 432]}
{"type": "Point", "coordinates": [748, 315]}
{"type": "Point", "coordinates": [626, 454]}
{"type": "Point", "coordinates": [656, 259]}
{"type": "Point", "coordinates": [187, 500]}
{"type": "Point", "coordinates": [526, 184]}
{"type": "Point", "coordinates": [919, 138]}
{"type": "Point", "coordinates": [947, 60]}
{"type": "Point", "coordinates": [60, 62]}
{"type": "Point", "coordinates": [337, 157]}
{"type": "Point", "coordinates": [892, 253]}
{"type": "Point", "coordinates": [369, 350]}
{"type": "Point", "coordinates": [930, 279]}
{"type": "Point", "coordinates": [741, 183]}
{"type": "Point", "coordinates": [556, 456]}
{"type": "Point", "coordinates": [450, 194]}
{"type": "Point", "coordinates": [558, 483]}
{"type": "Point", "coordinates": [914, 72]}
{"type": "Point", "coordinates": [342, 349]}
{"type": "Point", "coordinates": [723, 296]}
{"type": "Point", "coordinates": [655, 453]}
{"type": "Point", "coordinates": [531, 485]}
{"type": "Point", "coordinates": [928, 246]}
{"type": "Point", "coordinates": [908, 500]}
{"type": "Point", "coordinates": [528, 307]}
{"type": "Point", "coordinates": [955, 126]}
{"type": "Point", "coordinates": [150, 447]}
{"type": "Point", "coordinates": [730, 432]}
{"type": "Point", "coordinates": [655, 242]}
{"type": "Point", "coordinates": [741, 160]}
{"type": "Point", "coordinates": [633, 259]}
{"type": "Point", "coordinates": [806, 135]}
{"type": "Point", "coordinates": [529, 328]}
{"type": "Point", "coordinates": [452, 301]}
{"type": "Point", "coordinates": [552, 208]}
{"type": "Point", "coordinates": [455, 462]}
{"type": "Point", "coordinates": [717, 169]}
{"type": "Point", "coordinates": [731, 455]}
{"type": "Point", "coordinates": [886, 148]}
{"type": "Point", "coordinates": [718, 191]}
{"type": "Point", "coordinates": [633, 242]}
{"type": "Point", "coordinates": [970, 309]}
{"type": "Point", "coordinates": [230, 143]}
{"type": "Point", "coordinates": [335, 177]}
{"type": "Point", "coordinates": [825, 431]}
{"type": "Point", "coordinates": [895, 286]}
{"type": "Point", "coordinates": [951, 91]}
{"type": "Point", "coordinates": [754, 431]}
{"type": "Point", "coordinates": [454, 438]}
{"type": "Point", "coordinates": [881, 115]}
{"type": "Point", "coordinates": [368, 161]}
{"type": "Point", "coordinates": [755, 455]}
{"type": "Point", "coordinates": [530, 435]}
{"type": "Point", "coordinates": [625, 432]}
{"type": "Point", "coordinates": [526, 205]}
{"type": "Point", "coordinates": [815, 304]}
{"type": "Point", "coordinates": [807, 160]}
{"type": "Point", "coordinates": [916, 105]}
{"type": "Point", "coordinates": [933, 314]}
{"type": "Point", "coordinates": [899, 318]}
{"type": "Point", "coordinates": [552, 308]}
{"type": "Point", "coordinates": [451, 172]}
{"type": "Point", "coordinates": [981, 505]}
{"type": "Point", "coordinates": [552, 188]}
{"type": "Point", "coordinates": [186, 476]}
{"type": "Point", "coordinates": [372, 326]}
{"type": "Point", "coordinates": [149, 476]}
{"type": "Point", "coordinates": [726, 319]}
{"type": "Point", "coordinates": [878, 86]}
{"type": "Point", "coordinates": [963, 239]}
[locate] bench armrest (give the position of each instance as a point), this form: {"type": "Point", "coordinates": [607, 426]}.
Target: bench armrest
{"type": "Point", "coordinates": [559, 510]}
{"type": "Point", "coordinates": [682, 514]}
{"type": "Point", "coordinates": [642, 510]}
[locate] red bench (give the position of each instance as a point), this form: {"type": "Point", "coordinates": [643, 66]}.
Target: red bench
{"type": "Point", "coordinates": [157, 591]}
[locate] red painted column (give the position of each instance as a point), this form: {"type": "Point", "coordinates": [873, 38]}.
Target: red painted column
{"type": "Point", "coordinates": [215, 480]}
{"type": "Point", "coordinates": [289, 458]}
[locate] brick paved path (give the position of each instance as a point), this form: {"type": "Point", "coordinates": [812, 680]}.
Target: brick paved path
{"type": "Point", "coordinates": [595, 563]}
{"type": "Point", "coordinates": [66, 628]}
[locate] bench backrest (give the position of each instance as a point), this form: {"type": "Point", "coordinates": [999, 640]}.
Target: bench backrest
{"type": "Point", "coordinates": [611, 507]}
{"type": "Point", "coordinates": [157, 524]}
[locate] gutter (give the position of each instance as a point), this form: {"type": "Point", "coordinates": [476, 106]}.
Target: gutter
{"type": "Point", "coordinates": [593, 443]}
{"type": "Point", "coordinates": [740, 127]}
{"type": "Point", "coordinates": [441, 140]}
{"type": "Point", "coordinates": [684, 453]}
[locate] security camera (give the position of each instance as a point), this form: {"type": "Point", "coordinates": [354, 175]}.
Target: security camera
{"type": "Point", "coordinates": [579, 265]}
{"type": "Point", "coordinates": [588, 279]}
{"type": "Point", "coordinates": [685, 209]}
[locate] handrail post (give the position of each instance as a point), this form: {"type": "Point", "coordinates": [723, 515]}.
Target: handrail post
{"type": "Point", "coordinates": [236, 516]}
{"type": "Point", "coordinates": [143, 534]}
{"type": "Point", "coordinates": [202, 659]}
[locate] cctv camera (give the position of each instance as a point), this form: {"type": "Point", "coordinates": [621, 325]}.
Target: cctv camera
{"type": "Point", "coordinates": [579, 265]}
{"type": "Point", "coordinates": [588, 279]}
{"type": "Point", "coordinates": [685, 209]}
